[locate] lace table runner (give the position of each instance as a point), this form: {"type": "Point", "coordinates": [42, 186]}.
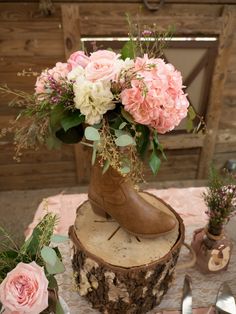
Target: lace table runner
{"type": "Point", "coordinates": [189, 204]}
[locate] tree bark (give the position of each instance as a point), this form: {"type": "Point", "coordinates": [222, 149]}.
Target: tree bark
{"type": "Point", "coordinates": [114, 277]}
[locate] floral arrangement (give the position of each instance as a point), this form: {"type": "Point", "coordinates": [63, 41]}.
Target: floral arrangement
{"type": "Point", "coordinates": [116, 103]}
{"type": "Point", "coordinates": [27, 273]}
{"type": "Point", "coordinates": [220, 199]}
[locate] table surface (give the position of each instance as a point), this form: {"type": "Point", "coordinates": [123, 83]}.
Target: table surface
{"type": "Point", "coordinates": [189, 204]}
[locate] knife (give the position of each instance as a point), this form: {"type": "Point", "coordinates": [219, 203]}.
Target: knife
{"type": "Point", "coordinates": [187, 296]}
{"type": "Point", "coordinates": [225, 302]}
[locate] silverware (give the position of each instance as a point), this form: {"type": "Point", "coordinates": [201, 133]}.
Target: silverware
{"type": "Point", "coordinates": [225, 302]}
{"type": "Point", "coordinates": [187, 296]}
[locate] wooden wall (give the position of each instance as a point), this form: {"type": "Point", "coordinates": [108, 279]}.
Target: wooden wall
{"type": "Point", "coordinates": [28, 39]}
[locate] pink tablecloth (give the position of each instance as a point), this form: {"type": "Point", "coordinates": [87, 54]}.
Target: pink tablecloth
{"type": "Point", "coordinates": [189, 204]}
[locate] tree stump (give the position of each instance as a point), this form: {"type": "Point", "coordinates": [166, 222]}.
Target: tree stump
{"type": "Point", "coordinates": [118, 272]}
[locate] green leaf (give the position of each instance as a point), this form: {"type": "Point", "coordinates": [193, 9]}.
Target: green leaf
{"type": "Point", "coordinates": [125, 140]}
{"type": "Point", "coordinates": [142, 139]}
{"type": "Point", "coordinates": [191, 113]}
{"type": "Point", "coordinates": [73, 119]}
{"type": "Point", "coordinates": [49, 255]}
{"type": "Point", "coordinates": [55, 269]}
{"type": "Point", "coordinates": [128, 50]}
{"type": "Point", "coordinates": [52, 283]}
{"type": "Point", "coordinates": [59, 309]}
{"type": "Point", "coordinates": [122, 125]}
{"type": "Point", "coordinates": [125, 169]}
{"type": "Point", "coordinates": [119, 133]}
{"type": "Point", "coordinates": [189, 125]}
{"type": "Point", "coordinates": [53, 142]}
{"type": "Point", "coordinates": [106, 166]}
{"type": "Point", "coordinates": [71, 136]}
{"type": "Point", "coordinates": [94, 155]}
{"type": "Point", "coordinates": [91, 134]}
{"type": "Point", "coordinates": [57, 238]}
{"type": "Point", "coordinates": [127, 116]}
{"type": "Point", "coordinates": [56, 115]}
{"type": "Point", "coordinates": [154, 163]}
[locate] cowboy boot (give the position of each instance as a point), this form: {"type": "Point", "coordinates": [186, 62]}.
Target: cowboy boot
{"type": "Point", "coordinates": [110, 194]}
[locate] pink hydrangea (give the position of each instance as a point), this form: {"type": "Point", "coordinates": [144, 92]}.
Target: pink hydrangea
{"type": "Point", "coordinates": [58, 73]}
{"type": "Point", "coordinates": [155, 97]}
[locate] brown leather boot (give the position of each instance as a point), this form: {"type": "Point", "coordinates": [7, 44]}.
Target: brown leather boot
{"type": "Point", "coordinates": [110, 194]}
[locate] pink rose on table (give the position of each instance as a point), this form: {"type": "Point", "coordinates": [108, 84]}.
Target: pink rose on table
{"type": "Point", "coordinates": [24, 290]}
{"type": "Point", "coordinates": [77, 58]}
{"type": "Point", "coordinates": [104, 65]}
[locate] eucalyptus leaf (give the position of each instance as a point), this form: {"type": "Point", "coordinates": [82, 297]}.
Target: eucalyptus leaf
{"type": "Point", "coordinates": [94, 155]}
{"type": "Point", "coordinates": [125, 169]}
{"type": "Point", "coordinates": [49, 255]}
{"type": "Point", "coordinates": [106, 166]}
{"type": "Point", "coordinates": [58, 238]}
{"type": "Point", "coordinates": [124, 140]}
{"type": "Point", "coordinates": [122, 125]}
{"type": "Point", "coordinates": [72, 120]}
{"type": "Point", "coordinates": [91, 134]}
{"type": "Point", "coordinates": [154, 163]}
{"type": "Point", "coordinates": [119, 133]}
{"type": "Point", "coordinates": [56, 269]}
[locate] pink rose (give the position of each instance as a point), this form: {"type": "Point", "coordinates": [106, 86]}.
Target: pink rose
{"type": "Point", "coordinates": [58, 73]}
{"type": "Point", "coordinates": [24, 290]}
{"type": "Point", "coordinates": [77, 58]}
{"type": "Point", "coordinates": [104, 65]}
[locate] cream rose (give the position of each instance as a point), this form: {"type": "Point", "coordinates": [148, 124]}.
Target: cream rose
{"type": "Point", "coordinates": [24, 290]}
{"type": "Point", "coordinates": [104, 65]}
{"type": "Point", "coordinates": [93, 99]}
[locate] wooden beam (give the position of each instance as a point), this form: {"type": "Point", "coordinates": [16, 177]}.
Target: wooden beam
{"type": "Point", "coordinates": [217, 87]}
{"type": "Point", "coordinates": [71, 34]}
{"type": "Point", "coordinates": [182, 141]}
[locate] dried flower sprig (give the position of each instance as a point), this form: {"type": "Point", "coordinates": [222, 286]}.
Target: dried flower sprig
{"type": "Point", "coordinates": [220, 199]}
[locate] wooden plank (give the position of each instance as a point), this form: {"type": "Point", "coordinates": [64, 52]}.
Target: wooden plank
{"type": "Point", "coordinates": [10, 64]}
{"type": "Point", "coordinates": [181, 141]}
{"type": "Point", "coordinates": [226, 141]}
{"type": "Point", "coordinates": [37, 182]}
{"type": "Point", "coordinates": [220, 159]}
{"type": "Point", "coordinates": [216, 96]}
{"type": "Point", "coordinates": [45, 168]}
{"type": "Point", "coordinates": [24, 29]}
{"type": "Point", "coordinates": [71, 33]}
{"type": "Point", "coordinates": [39, 156]}
{"type": "Point", "coordinates": [23, 11]}
{"type": "Point", "coordinates": [136, 1]}
{"type": "Point", "coordinates": [32, 47]}
{"type": "Point", "coordinates": [101, 20]}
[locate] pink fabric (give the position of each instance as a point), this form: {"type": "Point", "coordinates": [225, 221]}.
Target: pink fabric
{"type": "Point", "coordinates": [187, 202]}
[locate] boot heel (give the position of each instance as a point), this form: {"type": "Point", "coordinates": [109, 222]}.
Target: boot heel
{"type": "Point", "coordinates": [99, 211]}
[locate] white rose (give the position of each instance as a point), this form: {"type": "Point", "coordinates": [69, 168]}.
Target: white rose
{"type": "Point", "coordinates": [93, 99]}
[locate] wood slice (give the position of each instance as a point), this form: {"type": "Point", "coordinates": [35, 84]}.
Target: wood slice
{"type": "Point", "coordinates": [118, 272]}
